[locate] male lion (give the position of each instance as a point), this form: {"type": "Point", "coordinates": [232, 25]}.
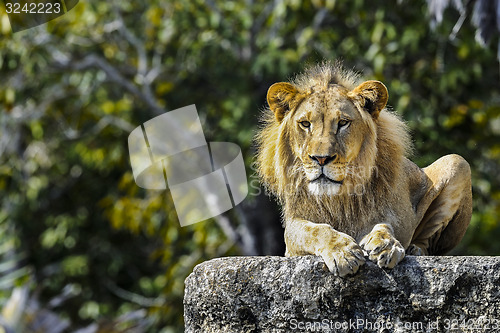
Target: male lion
{"type": "Point", "coordinates": [336, 160]}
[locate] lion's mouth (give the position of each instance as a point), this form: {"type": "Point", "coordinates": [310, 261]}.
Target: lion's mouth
{"type": "Point", "coordinates": [323, 179]}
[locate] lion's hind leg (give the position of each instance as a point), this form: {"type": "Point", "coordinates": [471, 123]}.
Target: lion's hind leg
{"type": "Point", "coordinates": [446, 207]}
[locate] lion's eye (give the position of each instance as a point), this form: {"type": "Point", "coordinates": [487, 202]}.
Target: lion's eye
{"type": "Point", "coordinates": [343, 122]}
{"type": "Point", "coordinates": [305, 124]}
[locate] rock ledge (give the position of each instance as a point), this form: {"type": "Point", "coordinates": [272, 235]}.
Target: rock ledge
{"type": "Point", "coordinates": [277, 294]}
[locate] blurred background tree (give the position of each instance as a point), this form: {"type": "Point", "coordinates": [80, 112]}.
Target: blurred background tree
{"type": "Point", "coordinates": [83, 247]}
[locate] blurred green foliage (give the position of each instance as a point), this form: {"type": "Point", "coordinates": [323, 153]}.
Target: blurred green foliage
{"type": "Point", "coordinates": [73, 89]}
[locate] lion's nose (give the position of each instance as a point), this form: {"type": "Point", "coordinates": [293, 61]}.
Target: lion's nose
{"type": "Point", "coordinates": [323, 160]}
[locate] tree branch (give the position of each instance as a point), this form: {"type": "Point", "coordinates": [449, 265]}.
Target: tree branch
{"type": "Point", "coordinates": [95, 61]}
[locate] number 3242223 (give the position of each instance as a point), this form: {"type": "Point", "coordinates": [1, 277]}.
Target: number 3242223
{"type": "Point", "coordinates": [33, 8]}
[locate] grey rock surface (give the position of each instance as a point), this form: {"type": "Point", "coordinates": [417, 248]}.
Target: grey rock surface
{"type": "Point", "coordinates": [299, 294]}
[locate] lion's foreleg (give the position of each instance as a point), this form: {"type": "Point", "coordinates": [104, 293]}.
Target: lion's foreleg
{"type": "Point", "coordinates": [340, 252]}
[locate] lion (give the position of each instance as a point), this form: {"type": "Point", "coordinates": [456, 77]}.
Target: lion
{"type": "Point", "coordinates": [337, 161]}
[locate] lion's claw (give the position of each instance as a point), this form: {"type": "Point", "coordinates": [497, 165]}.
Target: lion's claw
{"type": "Point", "coordinates": [344, 260]}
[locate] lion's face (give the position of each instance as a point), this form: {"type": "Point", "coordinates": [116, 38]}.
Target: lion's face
{"type": "Point", "coordinates": [331, 132]}
{"type": "Point", "coordinates": [327, 137]}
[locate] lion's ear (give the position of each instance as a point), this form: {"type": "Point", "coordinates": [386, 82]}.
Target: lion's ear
{"type": "Point", "coordinates": [374, 96]}
{"type": "Point", "coordinates": [282, 97]}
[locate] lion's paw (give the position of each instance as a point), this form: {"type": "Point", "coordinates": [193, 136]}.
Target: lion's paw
{"type": "Point", "coordinates": [382, 248]}
{"type": "Point", "coordinates": [415, 250]}
{"type": "Point", "coordinates": [344, 257]}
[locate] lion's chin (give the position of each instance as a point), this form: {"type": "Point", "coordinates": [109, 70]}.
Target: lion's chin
{"type": "Point", "coordinates": [324, 188]}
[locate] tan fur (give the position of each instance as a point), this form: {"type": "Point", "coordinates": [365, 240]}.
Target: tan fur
{"type": "Point", "coordinates": [336, 160]}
